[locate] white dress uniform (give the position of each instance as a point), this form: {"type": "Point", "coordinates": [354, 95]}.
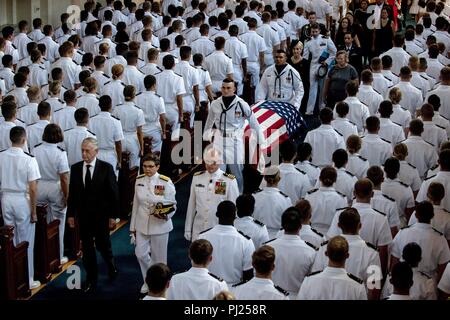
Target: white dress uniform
{"type": "Point", "coordinates": [294, 259]}
{"type": "Point", "coordinates": [73, 139]}
{"type": "Point", "coordinates": [444, 283]}
{"type": "Point", "coordinates": [152, 106]}
{"type": "Point", "coordinates": [401, 116]}
{"type": "Point", "coordinates": [65, 118]}
{"type": "Point", "coordinates": [374, 225]}
{"type": "Point", "coordinates": [358, 112]}
{"type": "Point", "coordinates": [152, 234]}
{"type": "Point", "coordinates": [101, 79]}
{"type": "Point", "coordinates": [421, 154]}
{"type": "Point", "coordinates": [434, 134]}
{"type": "Point", "coordinates": [255, 229]}
{"type": "Point", "coordinates": [362, 255]}
{"type": "Point", "coordinates": [315, 47]}
{"type": "Point", "coordinates": [242, 25]}
{"type": "Point", "coordinates": [222, 33]}
{"type": "Point", "coordinates": [70, 69]}
{"type": "Point", "coordinates": [28, 113]}
{"type": "Point", "coordinates": [8, 76]}
{"type": "Point", "coordinates": [386, 205]}
{"type": "Point", "coordinates": [204, 80]}
{"type": "Point", "coordinates": [112, 62]}
{"type": "Point", "coordinates": [89, 101]}
{"type": "Point", "coordinates": [190, 78]}
{"type": "Point", "coordinates": [441, 122]}
{"type": "Point", "coordinates": [420, 83]}
{"type": "Point", "coordinates": [332, 284]}
{"type": "Point", "coordinates": [38, 75]}
{"type": "Point", "coordinates": [322, 9]}
{"type": "Point", "coordinates": [307, 234]}
{"type": "Point", "coordinates": [17, 170]}
{"type": "Point", "coordinates": [112, 46]}
{"type": "Point", "coordinates": [434, 68]}
{"type": "Point", "coordinates": [357, 165]}
{"type": "Point", "coordinates": [12, 51]}
{"type": "Point", "coordinates": [203, 45]}
{"type": "Point", "coordinates": [375, 149]}
{"type": "Point", "coordinates": [402, 194]}
{"type": "Point", "coordinates": [285, 86]}
{"type": "Point", "coordinates": [272, 39]}
{"type": "Point", "coordinates": [5, 128]}
{"type": "Point", "coordinates": [132, 76]}
{"type": "Point", "coordinates": [195, 284]}
{"type": "Point", "coordinates": [169, 86]}
{"type": "Point", "coordinates": [34, 133]}
{"type": "Point", "coordinates": [412, 48]}
{"type": "Point", "coordinates": [151, 69]}
{"type": "Point", "coordinates": [371, 98]}
{"type": "Point", "coordinates": [382, 84]}
{"type": "Point", "coordinates": [411, 97]}
{"type": "Point", "coordinates": [389, 75]}
{"type": "Point", "coordinates": [207, 191]}
{"type": "Point", "coordinates": [21, 41]}
{"type": "Point", "coordinates": [36, 35]}
{"type": "Point", "coordinates": [423, 288]}
{"type": "Point", "coordinates": [270, 203]}
{"type": "Point", "coordinates": [21, 96]}
{"type": "Point", "coordinates": [434, 246]}
{"type": "Point", "coordinates": [400, 58]}
{"type": "Point", "coordinates": [442, 177]}
{"type": "Point", "coordinates": [325, 201]}
{"type": "Point", "coordinates": [254, 14]}
{"type": "Point", "coordinates": [219, 66]}
{"type": "Point", "coordinates": [443, 92]}
{"type": "Point", "coordinates": [114, 89]}
{"type": "Point", "coordinates": [108, 131]}
{"type": "Point", "coordinates": [311, 170]}
{"type": "Point", "coordinates": [409, 175]}
{"type": "Point", "coordinates": [255, 45]}
{"type": "Point", "coordinates": [237, 50]}
{"type": "Point", "coordinates": [440, 221]}
{"type": "Point", "coordinates": [52, 161]}
{"type": "Point", "coordinates": [259, 289]}
{"type": "Point", "coordinates": [232, 252]}
{"type": "Point", "coordinates": [192, 34]}
{"type": "Point", "coordinates": [131, 117]}
{"type": "Point", "coordinates": [324, 141]}
{"type": "Point", "coordinates": [52, 53]}
{"type": "Point", "coordinates": [391, 131]}
{"type": "Point", "coordinates": [345, 183]}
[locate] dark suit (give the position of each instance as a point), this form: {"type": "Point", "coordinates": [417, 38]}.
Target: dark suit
{"type": "Point", "coordinates": [354, 56]}
{"type": "Point", "coordinates": [94, 206]}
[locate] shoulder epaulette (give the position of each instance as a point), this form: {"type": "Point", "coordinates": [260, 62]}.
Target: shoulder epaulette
{"type": "Point", "coordinates": [313, 165]}
{"type": "Point", "coordinates": [60, 148]}
{"type": "Point", "coordinates": [376, 90]}
{"type": "Point", "coordinates": [343, 208]}
{"type": "Point", "coordinates": [115, 117]}
{"type": "Point", "coordinates": [397, 123]}
{"type": "Point", "coordinates": [178, 75]}
{"type": "Point", "coordinates": [351, 276]}
{"type": "Point", "coordinates": [284, 194]}
{"type": "Point", "coordinates": [314, 273]}
{"type": "Point", "coordinates": [284, 292]}
{"type": "Point", "coordinates": [229, 175]}
{"type": "Point", "coordinates": [429, 143]}
{"type": "Point", "coordinates": [349, 173]}
{"type": "Point", "coordinates": [340, 193]}
{"type": "Point", "coordinates": [258, 190]}
{"type": "Point", "coordinates": [387, 197]}
{"type": "Point", "coordinates": [440, 233]}
{"type": "Point", "coordinates": [371, 246]}
{"type": "Point", "coordinates": [362, 158]}
{"type": "Point", "coordinates": [205, 231]}
{"type": "Point", "coordinates": [68, 129]}
{"type": "Point", "coordinates": [385, 140]}
{"type": "Point", "coordinates": [139, 94]}
{"type": "Point", "coordinates": [301, 171]}
{"type": "Point", "coordinates": [316, 232]}
{"type": "Point", "coordinates": [91, 132]}
{"type": "Point", "coordinates": [443, 117]}
{"type": "Point", "coordinates": [58, 110]}
{"type": "Point", "coordinates": [429, 178]}
{"type": "Point", "coordinates": [38, 145]}
{"type": "Point", "coordinates": [106, 76]}
{"type": "Point", "coordinates": [215, 277]}
{"type": "Point", "coordinates": [440, 126]}
{"type": "Point", "coordinates": [403, 184]}
{"type": "Point", "coordinates": [434, 167]}
{"type": "Point", "coordinates": [140, 176]}
{"type": "Point", "coordinates": [270, 241]}
{"type": "Point", "coordinates": [165, 178]}
{"type": "Point", "coordinates": [339, 133]}
{"type": "Point", "coordinates": [29, 154]}
{"type": "Point", "coordinates": [324, 243]}
{"type": "Point", "coordinates": [382, 213]}
{"type": "Point", "coordinates": [406, 227]}
{"type": "Point", "coordinates": [411, 165]}
{"type": "Point", "coordinates": [199, 173]}
{"type": "Point", "coordinates": [107, 83]}
{"type": "Point", "coordinates": [258, 222]}
{"type": "Point", "coordinates": [311, 245]}
{"type": "Point", "coordinates": [238, 284]}
{"type": "Point", "coordinates": [246, 236]}
{"type": "Point", "coordinates": [312, 191]}
{"type": "Point", "coordinates": [352, 122]}
{"type": "Point", "coordinates": [425, 275]}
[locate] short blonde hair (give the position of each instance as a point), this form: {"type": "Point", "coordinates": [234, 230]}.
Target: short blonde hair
{"type": "Point", "coordinates": [395, 95]}
{"type": "Point", "coordinates": [117, 71]}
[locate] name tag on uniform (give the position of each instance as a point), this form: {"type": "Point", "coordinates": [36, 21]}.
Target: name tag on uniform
{"type": "Point", "coordinates": [159, 190]}
{"type": "Point", "coordinates": [323, 44]}
{"type": "Point", "coordinates": [200, 185]}
{"type": "Point", "coordinates": [140, 185]}
{"type": "Point", "coordinates": [220, 187]}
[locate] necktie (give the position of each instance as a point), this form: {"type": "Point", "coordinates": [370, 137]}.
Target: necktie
{"type": "Point", "coordinates": [87, 177]}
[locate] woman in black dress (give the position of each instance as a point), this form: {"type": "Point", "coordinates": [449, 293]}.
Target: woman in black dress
{"type": "Point", "coordinates": [301, 65]}
{"type": "Point", "coordinates": [383, 37]}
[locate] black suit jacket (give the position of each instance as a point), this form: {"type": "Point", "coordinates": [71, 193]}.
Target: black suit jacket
{"type": "Point", "coordinates": [101, 202]}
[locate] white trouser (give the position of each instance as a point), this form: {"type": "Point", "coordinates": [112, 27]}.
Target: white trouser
{"type": "Point", "coordinates": [253, 70]}
{"type": "Point", "coordinates": [131, 145]}
{"type": "Point", "coordinates": [16, 212]}
{"type": "Point", "coordinates": [268, 59]}
{"type": "Point", "coordinates": [155, 134]}
{"type": "Point", "coordinates": [189, 106]}
{"type": "Point", "coordinates": [110, 156]}
{"type": "Point", "coordinates": [238, 77]}
{"type": "Point", "coordinates": [172, 118]}
{"type": "Point", "coordinates": [156, 245]}
{"type": "Point", "coordinates": [233, 154]}
{"type": "Point", "coordinates": [50, 192]}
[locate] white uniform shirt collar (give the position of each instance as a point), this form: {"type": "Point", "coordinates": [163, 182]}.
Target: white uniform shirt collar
{"type": "Point", "coordinates": [271, 189]}
{"type": "Point", "coordinates": [422, 225]}
{"type": "Point", "coordinates": [326, 189]}
{"type": "Point", "coordinates": [198, 271]}
{"type": "Point", "coordinates": [222, 227]}
{"type": "Point", "coordinates": [359, 205]}
{"type": "Point", "coordinates": [262, 281]}
{"type": "Point", "coordinates": [399, 297]}
{"type": "Point", "coordinates": [335, 271]}
{"type": "Point", "coordinates": [290, 236]}
{"type": "Point", "coordinates": [352, 237]}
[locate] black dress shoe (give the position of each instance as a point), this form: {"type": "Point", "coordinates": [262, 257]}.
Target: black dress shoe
{"type": "Point", "coordinates": [90, 287]}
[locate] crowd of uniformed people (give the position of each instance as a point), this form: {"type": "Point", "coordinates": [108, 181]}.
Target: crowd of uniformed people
{"type": "Point", "coordinates": [358, 210]}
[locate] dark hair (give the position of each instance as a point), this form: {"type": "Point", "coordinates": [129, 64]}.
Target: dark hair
{"type": "Point", "coordinates": [288, 150]}
{"type": "Point", "coordinates": [9, 110]}
{"type": "Point", "coordinates": [105, 103]}
{"type": "Point", "coordinates": [304, 210]}
{"type": "Point", "coordinates": [328, 176]}
{"type": "Point", "coordinates": [226, 210]}
{"type": "Point", "coordinates": [342, 109]}
{"type": "Point", "coordinates": [392, 167]}
{"type": "Point", "coordinates": [53, 134]}
{"type": "Point", "coordinates": [157, 277]}
{"type": "Point", "coordinates": [263, 259]}
{"type": "Point", "coordinates": [435, 101]}
{"type": "Point", "coordinates": [245, 204]}
{"type": "Point", "coordinates": [363, 188]}
{"type": "Point", "coordinates": [152, 157]}
{"type": "Point", "coordinates": [376, 175]}
{"type": "Point", "coordinates": [385, 109]}
{"type": "Point", "coordinates": [70, 96]}
{"type": "Point", "coordinates": [81, 116]}
{"type": "Point", "coordinates": [412, 254]}
{"type": "Point", "coordinates": [349, 220]}
{"type": "Point", "coordinates": [444, 159]}
{"type": "Point", "coordinates": [416, 127]}
{"type": "Point", "coordinates": [198, 59]}
{"type": "Point", "coordinates": [168, 61]}
{"type": "Point", "coordinates": [402, 276]}
{"type": "Point", "coordinates": [149, 81]}
{"type": "Point", "coordinates": [219, 43]}
{"type": "Point", "coordinates": [304, 151]}
{"type": "Point", "coordinates": [44, 109]}
{"type": "Point", "coordinates": [372, 124]}
{"type": "Point", "coordinates": [200, 250]}
{"type": "Point", "coordinates": [290, 220]}
{"type": "Point", "coordinates": [351, 87]}
{"type": "Point", "coordinates": [326, 115]}
{"type": "Point", "coordinates": [340, 158]}
{"type": "Point", "coordinates": [16, 134]}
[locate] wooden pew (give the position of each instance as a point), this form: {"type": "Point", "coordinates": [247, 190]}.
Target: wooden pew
{"type": "Point", "coordinates": [47, 259]}
{"type": "Point", "coordinates": [14, 279]}
{"type": "Point", "coordinates": [127, 179]}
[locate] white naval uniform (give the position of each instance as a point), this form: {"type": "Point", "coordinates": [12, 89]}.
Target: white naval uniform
{"type": "Point", "coordinates": [434, 134]}
{"type": "Point", "coordinates": [325, 201]}
{"type": "Point", "coordinates": [28, 113]}
{"type": "Point", "coordinates": [108, 131]}
{"type": "Point", "coordinates": [21, 96]}
{"type": "Point", "coordinates": [219, 66]}
{"type": "Point", "coordinates": [111, 44]}
{"type": "Point", "coordinates": [102, 79]}
{"type": "Point", "coordinates": [112, 62]}
{"type": "Point", "coordinates": [375, 149]}
{"type": "Point", "coordinates": [195, 284]}
{"type": "Point", "coordinates": [5, 128]}
{"type": "Point", "coordinates": [294, 259]}
{"type": "Point", "coordinates": [253, 228]}
{"type": "Point", "coordinates": [21, 41]}
{"type": "Point", "coordinates": [358, 112]}
{"type": "Point", "coordinates": [443, 92]}
{"type": "Point", "coordinates": [362, 255]}
{"type": "Point", "coordinates": [286, 86]}
{"type": "Point", "coordinates": [259, 289]}
{"type": "Point", "coordinates": [237, 50]}
{"type": "Point", "coordinates": [151, 69]}
{"type": "Point", "coordinates": [232, 252]}
{"type": "Point", "coordinates": [311, 170]}
{"type": "Point", "coordinates": [434, 246]}
{"type": "Point", "coordinates": [402, 194]}
{"type": "Point", "coordinates": [272, 39]}
{"type": "Point", "coordinates": [114, 89]}
{"type": "Point", "coordinates": [391, 131]}
{"type": "Point", "coordinates": [270, 203]}
{"type": "Point", "coordinates": [132, 76]}
{"type": "Point", "coordinates": [34, 133]}
{"type": "Point", "coordinates": [442, 177]}
{"type": "Point", "coordinates": [332, 284]}
{"type": "Point", "coordinates": [374, 225]}
{"type": "Point", "coordinates": [17, 170]}
{"type": "Point", "coordinates": [421, 154]}
{"type": "Point", "coordinates": [357, 165]}
{"type": "Point", "coordinates": [207, 191]}
{"type": "Point", "coordinates": [442, 122]}
{"type": "Point", "coordinates": [411, 97]}
{"type": "Point", "coordinates": [444, 283]}
{"type": "Point", "coordinates": [73, 138]}
{"type": "Point", "coordinates": [152, 234]}
{"type": "Point", "coordinates": [440, 221]}
{"type": "Point", "coordinates": [434, 68]}
{"type": "Point", "coordinates": [315, 47]}
{"type": "Point", "coordinates": [71, 71]}
{"type": "Point", "coordinates": [255, 45]}
{"type": "Point", "coordinates": [38, 75]}
{"type": "Point", "coordinates": [153, 107]}
{"type": "Point", "coordinates": [423, 288]}
{"type": "Point", "coordinates": [190, 78]}
{"type": "Point", "coordinates": [203, 45]}
{"type": "Point", "coordinates": [52, 53]}
{"type": "Point", "coordinates": [65, 118]}
{"type": "Point", "coordinates": [8, 76]}
{"type": "Point", "coordinates": [420, 83]}
{"type": "Point", "coordinates": [409, 175]}
{"type": "Point", "coordinates": [345, 127]}
{"type": "Point", "coordinates": [308, 234]}
{"type": "Point", "coordinates": [382, 84]}
{"type": "Point", "coordinates": [192, 34]}
{"type": "Point", "coordinates": [91, 102]}
{"type": "Point", "coordinates": [345, 183]}
{"type": "Point", "coordinates": [52, 161]}
{"type": "Point", "coordinates": [371, 98]}
{"type": "Point", "coordinates": [131, 117]}
{"type": "Point", "coordinates": [400, 58]}
{"type": "Point", "coordinates": [386, 205]}
{"type": "Point", "coordinates": [324, 141]}
{"type": "Point", "coordinates": [241, 23]}
{"type": "Point", "coordinates": [401, 116]}
{"type": "Point", "coordinates": [204, 81]}
{"type": "Point", "coordinates": [11, 50]}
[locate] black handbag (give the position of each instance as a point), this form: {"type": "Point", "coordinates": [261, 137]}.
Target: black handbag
{"type": "Point", "coordinates": [422, 3]}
